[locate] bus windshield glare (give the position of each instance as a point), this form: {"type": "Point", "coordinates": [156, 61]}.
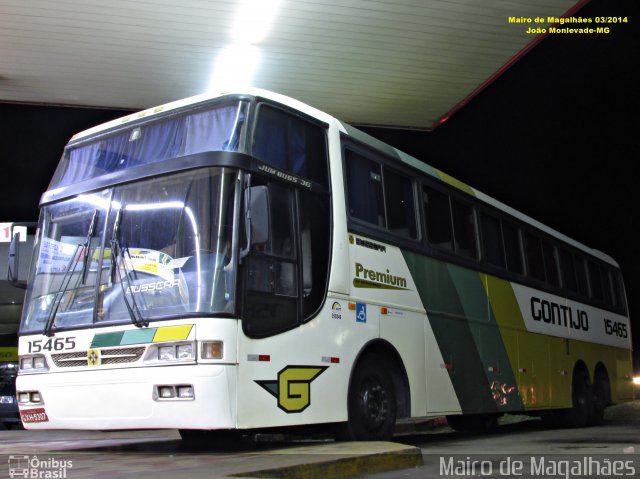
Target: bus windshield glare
{"type": "Point", "coordinates": [155, 249]}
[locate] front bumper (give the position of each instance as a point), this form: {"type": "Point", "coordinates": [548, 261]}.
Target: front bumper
{"type": "Point", "coordinates": [124, 398]}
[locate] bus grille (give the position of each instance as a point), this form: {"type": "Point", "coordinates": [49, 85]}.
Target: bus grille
{"type": "Point", "coordinates": [108, 356]}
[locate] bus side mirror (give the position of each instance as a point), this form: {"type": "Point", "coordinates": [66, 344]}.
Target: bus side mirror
{"type": "Point", "coordinates": [13, 263]}
{"type": "Point", "coordinates": [260, 220]}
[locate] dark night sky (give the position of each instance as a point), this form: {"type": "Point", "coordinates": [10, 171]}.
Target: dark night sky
{"type": "Point", "coordinates": [556, 137]}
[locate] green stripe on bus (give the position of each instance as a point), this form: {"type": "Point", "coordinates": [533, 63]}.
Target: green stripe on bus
{"type": "Point", "coordinates": [105, 340]}
{"type": "Point", "coordinates": [452, 330]}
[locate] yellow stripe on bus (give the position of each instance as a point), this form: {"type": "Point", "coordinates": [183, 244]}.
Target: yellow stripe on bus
{"type": "Point", "coordinates": [172, 333]}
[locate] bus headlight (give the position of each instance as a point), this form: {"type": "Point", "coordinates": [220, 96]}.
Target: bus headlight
{"type": "Point", "coordinates": [166, 353]}
{"type": "Point", "coordinates": [33, 364]}
{"type": "Point", "coordinates": [171, 353]}
{"type": "Point", "coordinates": [184, 351]}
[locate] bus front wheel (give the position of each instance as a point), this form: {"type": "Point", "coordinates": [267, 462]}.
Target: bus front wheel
{"type": "Point", "coordinates": [371, 402]}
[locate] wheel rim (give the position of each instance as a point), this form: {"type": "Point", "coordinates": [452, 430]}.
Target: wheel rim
{"type": "Point", "coordinates": [375, 402]}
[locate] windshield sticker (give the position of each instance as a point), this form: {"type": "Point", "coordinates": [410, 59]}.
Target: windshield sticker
{"type": "Point", "coordinates": [143, 336]}
{"type": "Point", "coordinates": [292, 389]}
{"type": "Point", "coordinates": [55, 256]}
{"type": "Point", "coordinates": [176, 263]}
{"type": "Point", "coordinates": [151, 262]}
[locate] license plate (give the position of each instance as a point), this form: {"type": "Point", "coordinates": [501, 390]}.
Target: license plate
{"type": "Point", "coordinates": [6, 399]}
{"type": "Point", "coordinates": [34, 415]}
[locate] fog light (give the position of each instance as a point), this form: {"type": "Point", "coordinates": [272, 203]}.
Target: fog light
{"type": "Point", "coordinates": [185, 392]}
{"type": "Point", "coordinates": [166, 392]}
{"type": "Point", "coordinates": [212, 350]}
{"type": "Point", "coordinates": [23, 398]}
{"type": "Point", "coordinates": [35, 397]}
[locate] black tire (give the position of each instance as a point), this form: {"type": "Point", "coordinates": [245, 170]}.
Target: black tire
{"type": "Point", "coordinates": [371, 403]}
{"type": "Point", "coordinates": [473, 422]}
{"type": "Point", "coordinates": [600, 399]}
{"type": "Point", "coordinates": [582, 399]}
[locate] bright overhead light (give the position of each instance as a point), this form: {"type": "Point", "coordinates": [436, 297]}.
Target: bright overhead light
{"type": "Point", "coordinates": [237, 63]}
{"type": "Point", "coordinates": [253, 20]}
{"type": "Point", "coordinates": [235, 67]}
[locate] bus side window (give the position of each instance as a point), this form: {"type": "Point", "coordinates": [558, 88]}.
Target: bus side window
{"type": "Point", "coordinates": [595, 281]}
{"type": "Point", "coordinates": [492, 244]}
{"type": "Point", "coordinates": [315, 231]}
{"type": "Point", "coordinates": [270, 302]}
{"type": "Point", "coordinates": [581, 277]}
{"type": "Point", "coordinates": [568, 270]}
{"type": "Point", "coordinates": [550, 264]}
{"type": "Point", "coordinates": [438, 218]}
{"type": "Point", "coordinates": [401, 214]}
{"type": "Point", "coordinates": [464, 229]}
{"type": "Point", "coordinates": [535, 263]}
{"type": "Point", "coordinates": [364, 179]}
{"type": "Point", "coordinates": [512, 248]}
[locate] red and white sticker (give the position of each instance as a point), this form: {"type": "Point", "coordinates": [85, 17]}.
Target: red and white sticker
{"type": "Point", "coordinates": [34, 415]}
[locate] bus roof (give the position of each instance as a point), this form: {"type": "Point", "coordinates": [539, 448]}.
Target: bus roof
{"type": "Point", "coordinates": [357, 134]}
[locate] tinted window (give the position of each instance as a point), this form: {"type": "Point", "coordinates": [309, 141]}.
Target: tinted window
{"type": "Point", "coordinates": [438, 218]}
{"type": "Point", "coordinates": [512, 248]}
{"type": "Point", "coordinates": [596, 281]}
{"type": "Point", "coordinates": [581, 276]}
{"type": "Point", "coordinates": [533, 250]}
{"type": "Point", "coordinates": [364, 182]}
{"type": "Point", "coordinates": [290, 143]}
{"type": "Point", "coordinates": [568, 270]}
{"type": "Point", "coordinates": [492, 245]}
{"type": "Point", "coordinates": [464, 227]}
{"type": "Point", "coordinates": [398, 195]}
{"type": "Point", "coordinates": [550, 266]}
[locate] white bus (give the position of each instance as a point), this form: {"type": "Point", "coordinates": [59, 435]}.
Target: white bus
{"type": "Point", "coordinates": [245, 261]}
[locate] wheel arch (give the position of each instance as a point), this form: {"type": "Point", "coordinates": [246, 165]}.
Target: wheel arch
{"type": "Point", "coordinates": [580, 367]}
{"type": "Point", "coordinates": [384, 349]}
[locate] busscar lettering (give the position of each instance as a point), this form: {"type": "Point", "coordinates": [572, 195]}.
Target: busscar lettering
{"type": "Point", "coordinates": [146, 287]}
{"type": "Point", "coordinates": [558, 314]}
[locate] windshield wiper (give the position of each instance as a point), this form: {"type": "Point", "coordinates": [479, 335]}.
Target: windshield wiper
{"type": "Point", "coordinates": [66, 279]}
{"type": "Point", "coordinates": [117, 251]}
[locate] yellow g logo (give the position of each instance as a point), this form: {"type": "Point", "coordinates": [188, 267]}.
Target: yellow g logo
{"type": "Point", "coordinates": [293, 387]}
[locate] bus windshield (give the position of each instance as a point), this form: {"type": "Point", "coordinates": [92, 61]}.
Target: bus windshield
{"type": "Point", "coordinates": [158, 248]}
{"type": "Point", "coordinates": [216, 128]}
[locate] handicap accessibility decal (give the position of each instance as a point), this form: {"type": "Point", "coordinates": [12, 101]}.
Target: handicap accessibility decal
{"type": "Point", "coordinates": [361, 313]}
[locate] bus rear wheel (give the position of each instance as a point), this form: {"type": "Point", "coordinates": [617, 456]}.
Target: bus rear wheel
{"type": "Point", "coordinates": [582, 400]}
{"type": "Point", "coordinates": [371, 403]}
{"type": "Point", "coordinates": [601, 393]}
